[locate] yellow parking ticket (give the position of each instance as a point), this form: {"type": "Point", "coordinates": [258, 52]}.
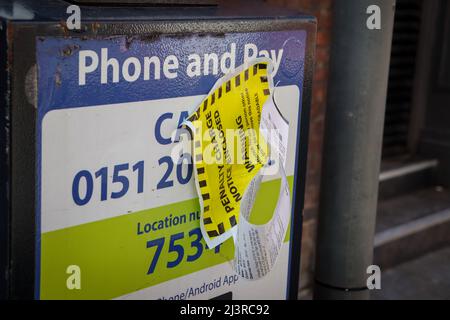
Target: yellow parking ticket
{"type": "Point", "coordinates": [228, 148]}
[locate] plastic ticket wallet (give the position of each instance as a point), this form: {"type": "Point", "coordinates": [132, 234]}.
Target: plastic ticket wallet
{"type": "Point", "coordinates": [240, 136]}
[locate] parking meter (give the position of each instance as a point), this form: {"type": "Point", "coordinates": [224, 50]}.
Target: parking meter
{"type": "Point", "coordinates": [93, 206]}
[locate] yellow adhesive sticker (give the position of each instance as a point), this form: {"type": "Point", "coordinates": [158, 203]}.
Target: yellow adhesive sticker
{"type": "Point", "coordinates": [228, 148]}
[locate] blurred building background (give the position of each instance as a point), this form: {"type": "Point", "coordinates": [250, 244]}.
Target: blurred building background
{"type": "Point", "coordinates": [413, 221]}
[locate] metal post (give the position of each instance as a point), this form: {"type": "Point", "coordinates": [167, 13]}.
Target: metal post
{"type": "Point", "coordinates": [352, 151]}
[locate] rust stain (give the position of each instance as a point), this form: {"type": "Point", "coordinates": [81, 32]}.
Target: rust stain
{"type": "Point", "coordinates": [150, 37]}
{"type": "Point", "coordinates": [58, 80]}
{"type": "Point", "coordinates": [158, 35]}
{"type": "Point", "coordinates": [129, 40]}
{"type": "Point", "coordinates": [95, 26]}
{"type": "Point", "coordinates": [69, 50]}
{"type": "Point", "coordinates": [63, 26]}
